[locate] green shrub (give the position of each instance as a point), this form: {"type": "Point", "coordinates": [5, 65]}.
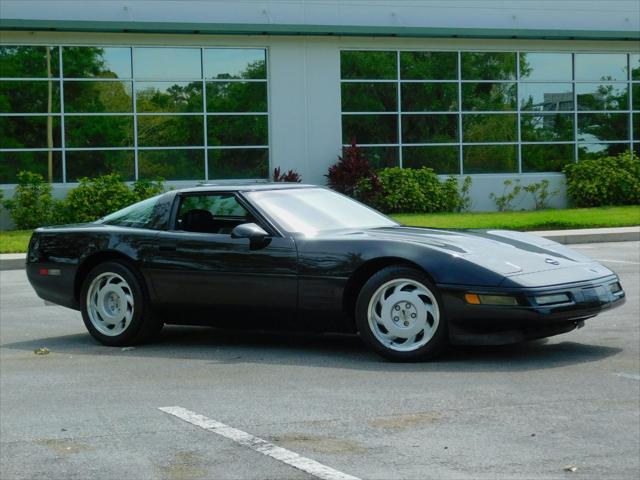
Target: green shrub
{"type": "Point", "coordinates": [604, 181]}
{"type": "Point", "coordinates": [96, 197]}
{"type": "Point", "coordinates": [351, 171]}
{"type": "Point", "coordinates": [504, 202]}
{"type": "Point", "coordinates": [32, 204]}
{"type": "Point", "coordinates": [465, 202]}
{"type": "Point", "coordinates": [412, 190]}
{"type": "Point", "coordinates": [540, 193]}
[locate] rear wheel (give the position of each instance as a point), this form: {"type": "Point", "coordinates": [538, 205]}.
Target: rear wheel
{"type": "Point", "coordinates": [399, 315]}
{"type": "Point", "coordinates": [115, 306]}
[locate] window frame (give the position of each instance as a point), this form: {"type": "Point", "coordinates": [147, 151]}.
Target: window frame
{"type": "Point", "coordinates": [629, 82]}
{"type": "Point", "coordinates": [260, 219]}
{"type": "Point", "coordinates": [60, 79]}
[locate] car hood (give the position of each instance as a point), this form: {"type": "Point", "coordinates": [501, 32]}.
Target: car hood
{"type": "Point", "coordinates": [502, 251]}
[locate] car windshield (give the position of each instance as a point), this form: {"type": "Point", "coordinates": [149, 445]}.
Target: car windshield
{"type": "Point", "coordinates": [313, 210]}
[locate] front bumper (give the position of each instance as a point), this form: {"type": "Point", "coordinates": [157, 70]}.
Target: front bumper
{"type": "Point", "coordinates": [497, 325]}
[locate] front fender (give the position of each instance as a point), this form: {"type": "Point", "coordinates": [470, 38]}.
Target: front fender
{"type": "Point", "coordinates": [339, 258]}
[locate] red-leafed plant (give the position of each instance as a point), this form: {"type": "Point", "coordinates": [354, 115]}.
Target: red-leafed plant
{"type": "Point", "coordinates": [351, 170]}
{"type": "Point", "coordinates": [290, 176]}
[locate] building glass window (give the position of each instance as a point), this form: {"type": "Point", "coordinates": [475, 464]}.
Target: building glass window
{"type": "Point", "coordinates": [222, 63]}
{"type": "Point", "coordinates": [429, 128]}
{"type": "Point", "coordinates": [602, 96]}
{"type": "Point", "coordinates": [596, 67]}
{"type": "Point", "coordinates": [30, 96]}
{"type": "Point", "coordinates": [97, 97]}
{"type": "Point", "coordinates": [162, 63]}
{"type": "Point", "coordinates": [369, 97]}
{"type": "Point", "coordinates": [546, 67]}
{"type": "Point", "coordinates": [100, 62]}
{"type": "Point", "coordinates": [382, 157]}
{"type": "Point", "coordinates": [489, 112]}
{"type": "Point", "coordinates": [369, 65]}
{"type": "Point", "coordinates": [546, 97]}
{"type": "Point", "coordinates": [181, 97]}
{"type": "Point", "coordinates": [546, 127]}
{"type": "Point", "coordinates": [429, 97]}
{"type": "Point", "coordinates": [237, 130]}
{"type": "Point", "coordinates": [98, 131]}
{"type": "Point", "coordinates": [17, 132]}
{"type": "Point", "coordinates": [22, 61]}
{"type": "Point", "coordinates": [183, 164]}
{"type": "Point", "coordinates": [441, 159]}
{"type": "Point", "coordinates": [239, 163]}
{"type": "Point", "coordinates": [68, 112]}
{"type": "Point", "coordinates": [488, 66]}
{"type": "Point", "coordinates": [83, 163]}
{"type": "Point", "coordinates": [36, 161]}
{"type": "Point", "coordinates": [370, 129]}
{"type": "Point", "coordinates": [483, 128]}
{"type": "Point", "coordinates": [488, 96]}
{"type": "Point", "coordinates": [490, 159]}
{"type": "Point", "coordinates": [238, 97]}
{"type": "Point", "coordinates": [546, 157]}
{"type": "Point", "coordinates": [428, 65]}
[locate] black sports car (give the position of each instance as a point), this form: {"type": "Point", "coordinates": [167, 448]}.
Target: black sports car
{"type": "Point", "coordinates": [303, 257]}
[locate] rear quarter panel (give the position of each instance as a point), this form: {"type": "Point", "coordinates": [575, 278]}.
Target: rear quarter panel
{"type": "Point", "coordinates": [69, 250]}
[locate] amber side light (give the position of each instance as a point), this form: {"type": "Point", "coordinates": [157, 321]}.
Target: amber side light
{"type": "Point", "coordinates": [472, 298]}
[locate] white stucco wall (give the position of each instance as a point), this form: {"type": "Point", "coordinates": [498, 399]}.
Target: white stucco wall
{"type": "Point", "coordinates": [609, 15]}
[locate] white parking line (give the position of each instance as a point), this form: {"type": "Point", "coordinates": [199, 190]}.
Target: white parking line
{"type": "Point", "coordinates": [628, 375]}
{"type": "Point", "coordinates": [259, 445]}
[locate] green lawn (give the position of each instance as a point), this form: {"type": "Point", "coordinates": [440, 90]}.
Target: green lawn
{"type": "Point", "coordinates": [14, 241]}
{"type": "Point", "coordinates": [535, 220]}
{"type": "Point", "coordinates": [17, 241]}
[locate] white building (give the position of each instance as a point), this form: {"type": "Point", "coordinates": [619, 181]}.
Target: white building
{"type": "Point", "coordinates": [216, 90]}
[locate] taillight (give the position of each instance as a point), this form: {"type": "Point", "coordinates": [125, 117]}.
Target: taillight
{"type": "Point", "coordinates": [51, 272]}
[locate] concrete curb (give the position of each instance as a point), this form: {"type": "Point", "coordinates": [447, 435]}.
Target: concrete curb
{"type": "Point", "coordinates": [16, 261]}
{"type": "Point", "coordinates": [12, 261]}
{"type": "Point", "coordinates": [592, 235]}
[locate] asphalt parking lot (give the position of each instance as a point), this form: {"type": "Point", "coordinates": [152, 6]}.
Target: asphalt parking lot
{"type": "Point", "coordinates": [528, 411]}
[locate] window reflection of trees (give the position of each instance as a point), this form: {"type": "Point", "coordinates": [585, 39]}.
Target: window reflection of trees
{"type": "Point", "coordinates": [536, 91]}
{"type": "Point", "coordinates": [97, 80]}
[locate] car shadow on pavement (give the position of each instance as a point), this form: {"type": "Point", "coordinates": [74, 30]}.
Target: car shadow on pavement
{"type": "Point", "coordinates": [323, 350]}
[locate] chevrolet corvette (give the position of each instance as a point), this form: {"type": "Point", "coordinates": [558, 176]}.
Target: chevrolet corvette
{"type": "Point", "coordinates": [301, 257]}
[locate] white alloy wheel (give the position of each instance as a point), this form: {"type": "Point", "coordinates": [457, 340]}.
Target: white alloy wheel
{"type": "Point", "coordinates": [403, 315]}
{"type": "Point", "coordinates": [110, 304]}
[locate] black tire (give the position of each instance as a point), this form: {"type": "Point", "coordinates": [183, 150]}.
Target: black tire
{"type": "Point", "coordinates": [434, 346]}
{"type": "Point", "coordinates": [143, 325]}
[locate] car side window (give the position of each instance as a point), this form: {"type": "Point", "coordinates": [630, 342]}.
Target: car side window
{"type": "Point", "coordinates": [211, 213]}
{"type": "Point", "coordinates": [151, 213]}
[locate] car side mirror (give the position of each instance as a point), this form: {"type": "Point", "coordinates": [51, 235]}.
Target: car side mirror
{"type": "Point", "coordinates": [258, 238]}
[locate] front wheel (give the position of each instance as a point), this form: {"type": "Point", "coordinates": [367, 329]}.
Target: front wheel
{"type": "Point", "coordinates": [399, 315]}
{"type": "Point", "coordinates": [115, 308]}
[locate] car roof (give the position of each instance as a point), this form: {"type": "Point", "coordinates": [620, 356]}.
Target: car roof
{"type": "Point", "coordinates": [246, 187]}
